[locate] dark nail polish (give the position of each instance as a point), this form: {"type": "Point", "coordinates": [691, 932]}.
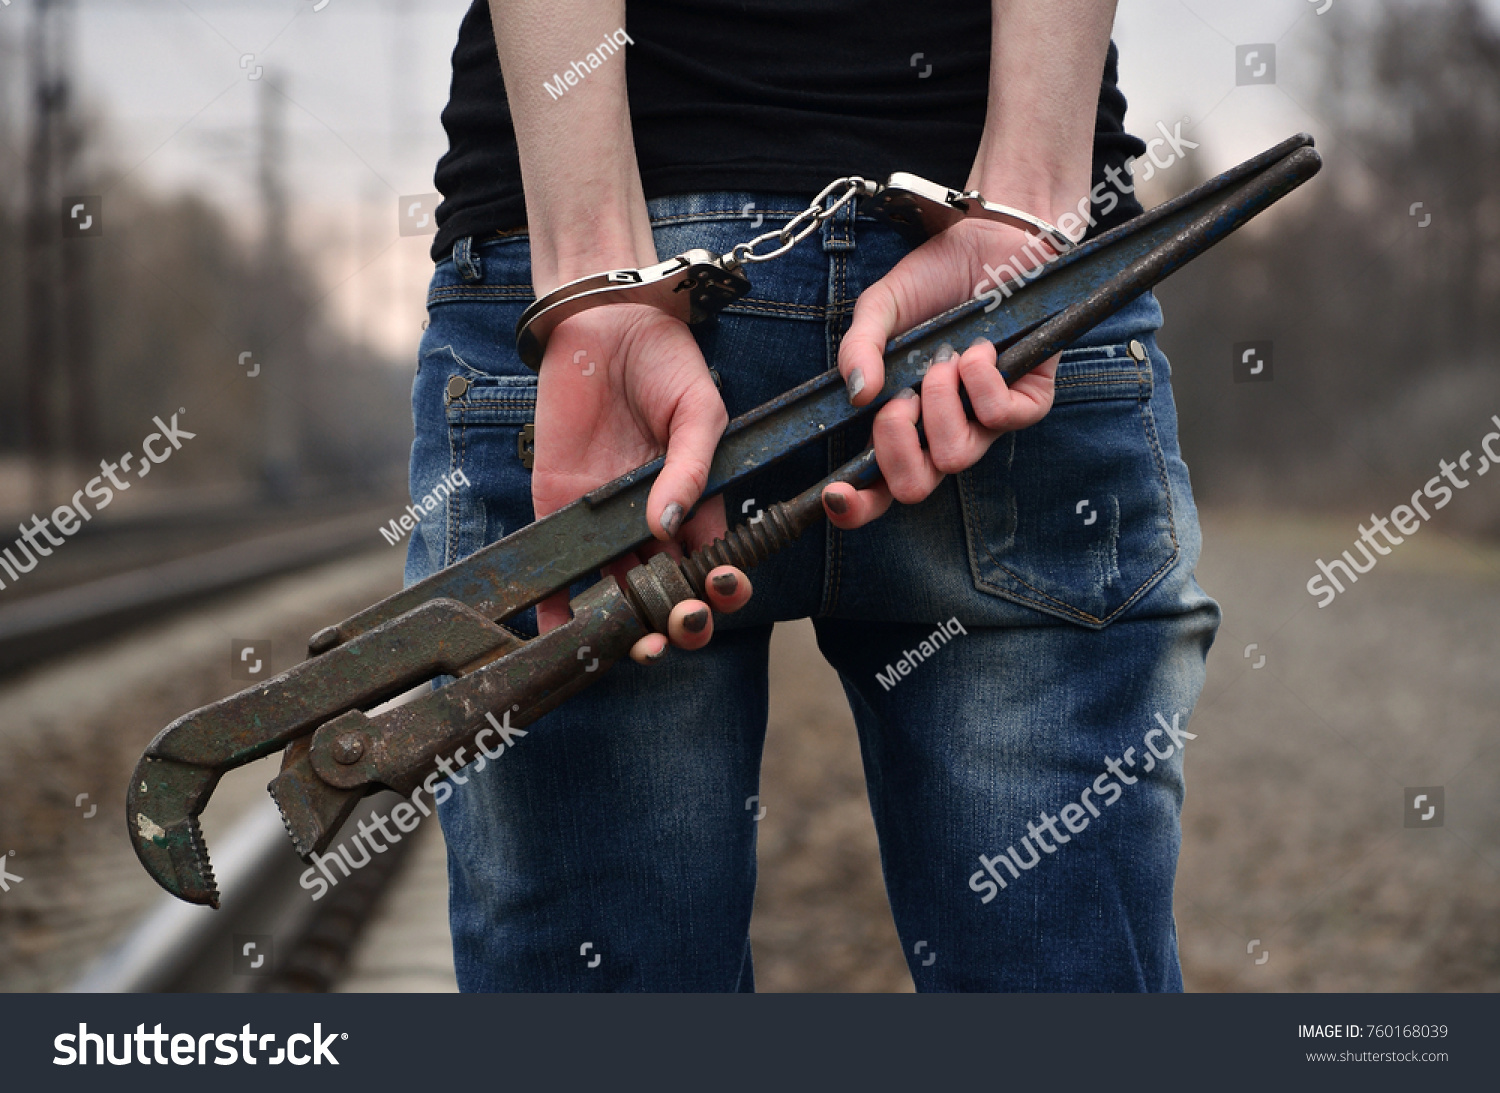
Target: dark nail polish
{"type": "Point", "coordinates": [695, 622]}
{"type": "Point", "coordinates": [906, 392]}
{"type": "Point", "coordinates": [944, 353]}
{"type": "Point", "coordinates": [855, 383]}
{"type": "Point", "coordinates": [837, 503]}
{"type": "Point", "coordinates": [725, 584]}
{"type": "Point", "coordinates": [671, 518]}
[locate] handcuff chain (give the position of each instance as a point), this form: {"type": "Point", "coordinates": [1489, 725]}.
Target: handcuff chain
{"type": "Point", "coordinates": [700, 282]}
{"type": "Point", "coordinates": [804, 223]}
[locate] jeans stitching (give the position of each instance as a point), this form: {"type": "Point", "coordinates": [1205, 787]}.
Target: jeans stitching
{"type": "Point", "coordinates": [480, 294]}
{"type": "Point", "coordinates": [833, 324]}
{"type": "Point", "coordinates": [455, 462]}
{"type": "Point", "coordinates": [779, 308]}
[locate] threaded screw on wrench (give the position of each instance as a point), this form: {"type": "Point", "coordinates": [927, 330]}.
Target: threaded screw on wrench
{"type": "Point", "coordinates": [748, 545]}
{"type": "Point", "coordinates": [778, 527]}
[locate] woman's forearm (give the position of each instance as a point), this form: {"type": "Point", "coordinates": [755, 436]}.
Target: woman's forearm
{"type": "Point", "coordinates": [584, 205]}
{"type": "Point", "coordinates": [1046, 63]}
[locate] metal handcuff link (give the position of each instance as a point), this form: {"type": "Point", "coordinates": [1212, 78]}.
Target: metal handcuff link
{"type": "Point", "coordinates": [698, 283]}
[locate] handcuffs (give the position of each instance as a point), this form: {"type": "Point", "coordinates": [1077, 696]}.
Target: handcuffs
{"type": "Point", "coordinates": [699, 283]}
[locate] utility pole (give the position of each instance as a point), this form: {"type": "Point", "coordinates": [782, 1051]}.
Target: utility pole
{"type": "Point", "coordinates": [54, 348]}
{"type": "Point", "coordinates": [48, 92]}
{"type": "Point", "coordinates": [281, 421]}
{"type": "Point", "coordinates": [77, 261]}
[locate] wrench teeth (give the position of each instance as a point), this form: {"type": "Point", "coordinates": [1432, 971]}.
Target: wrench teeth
{"type": "Point", "coordinates": [303, 847]}
{"type": "Point", "coordinates": [204, 881]}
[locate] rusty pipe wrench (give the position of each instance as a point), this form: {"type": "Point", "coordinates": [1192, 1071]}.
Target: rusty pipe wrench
{"type": "Point", "coordinates": [449, 623]}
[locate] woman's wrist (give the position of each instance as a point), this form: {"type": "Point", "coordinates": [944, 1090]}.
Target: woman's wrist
{"type": "Point", "coordinates": [1049, 193]}
{"type": "Point", "coordinates": [567, 247]}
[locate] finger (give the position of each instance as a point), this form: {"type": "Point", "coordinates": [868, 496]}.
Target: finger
{"type": "Point", "coordinates": [705, 525]}
{"type": "Point", "coordinates": [552, 612]}
{"type": "Point", "coordinates": [649, 649]}
{"type": "Point", "coordinates": [697, 422]}
{"type": "Point", "coordinates": [690, 625]}
{"type": "Point", "coordinates": [1035, 390]}
{"type": "Point", "coordinates": [645, 553]}
{"type": "Point", "coordinates": [906, 467]}
{"type": "Point", "coordinates": [848, 508]}
{"type": "Point", "coordinates": [632, 558]}
{"type": "Point", "coordinates": [1001, 408]}
{"type": "Point", "coordinates": [862, 351]}
{"type": "Point", "coordinates": [985, 386]}
{"type": "Point", "coordinates": [728, 589]}
{"type": "Point", "coordinates": [951, 437]}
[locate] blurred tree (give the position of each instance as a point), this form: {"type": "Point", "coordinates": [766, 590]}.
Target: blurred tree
{"type": "Point", "coordinates": [174, 297]}
{"type": "Point", "coordinates": [1383, 320]}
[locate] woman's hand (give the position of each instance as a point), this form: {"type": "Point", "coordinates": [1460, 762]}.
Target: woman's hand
{"type": "Point", "coordinates": [955, 266]}
{"type": "Point", "coordinates": [619, 386]}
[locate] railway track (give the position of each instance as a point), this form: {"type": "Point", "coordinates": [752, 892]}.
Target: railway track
{"type": "Point", "coordinates": [267, 936]}
{"type": "Point", "coordinates": [295, 943]}
{"type": "Point", "coordinates": [40, 626]}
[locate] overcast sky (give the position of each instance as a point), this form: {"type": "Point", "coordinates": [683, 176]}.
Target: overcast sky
{"type": "Point", "coordinates": [368, 78]}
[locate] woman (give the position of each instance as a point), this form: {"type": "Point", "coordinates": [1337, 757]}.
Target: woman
{"type": "Point", "coordinates": [1028, 826]}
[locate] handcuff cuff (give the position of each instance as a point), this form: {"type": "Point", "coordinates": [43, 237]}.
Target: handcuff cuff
{"type": "Point", "coordinates": [698, 283]}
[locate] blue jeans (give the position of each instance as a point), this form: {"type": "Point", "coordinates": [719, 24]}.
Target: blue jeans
{"type": "Point", "coordinates": [1021, 652]}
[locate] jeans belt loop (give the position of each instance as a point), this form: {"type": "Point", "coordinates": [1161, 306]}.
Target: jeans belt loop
{"type": "Point", "coordinates": [470, 265]}
{"type": "Point", "coordinates": [838, 230]}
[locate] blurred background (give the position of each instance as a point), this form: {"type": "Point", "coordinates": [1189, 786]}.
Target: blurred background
{"type": "Point", "coordinates": [220, 209]}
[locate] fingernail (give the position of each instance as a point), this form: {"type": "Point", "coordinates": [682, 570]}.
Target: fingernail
{"type": "Point", "coordinates": [658, 654]}
{"type": "Point", "coordinates": [855, 383]}
{"type": "Point", "coordinates": [725, 584]}
{"type": "Point", "coordinates": [944, 353]}
{"type": "Point", "coordinates": [837, 503]}
{"type": "Point", "coordinates": [695, 622]}
{"type": "Point", "coordinates": [906, 392]}
{"type": "Point", "coordinates": [671, 518]}
{"type": "Point", "coordinates": [981, 340]}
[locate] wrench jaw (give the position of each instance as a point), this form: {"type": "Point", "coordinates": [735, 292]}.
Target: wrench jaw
{"type": "Point", "coordinates": [166, 797]}
{"type": "Point", "coordinates": [311, 810]}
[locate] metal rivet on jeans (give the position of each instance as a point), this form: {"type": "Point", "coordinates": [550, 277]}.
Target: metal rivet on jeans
{"type": "Point", "coordinates": [1137, 350]}
{"type": "Point", "coordinates": [458, 386]}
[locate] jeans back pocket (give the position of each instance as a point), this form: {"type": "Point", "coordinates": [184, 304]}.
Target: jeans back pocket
{"type": "Point", "coordinates": [1073, 516]}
